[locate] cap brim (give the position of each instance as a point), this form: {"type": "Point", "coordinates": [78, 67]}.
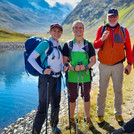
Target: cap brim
{"type": "Point", "coordinates": [56, 27]}
{"type": "Point", "coordinates": [111, 14]}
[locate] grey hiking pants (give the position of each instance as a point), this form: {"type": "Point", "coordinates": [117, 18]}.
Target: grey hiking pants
{"type": "Point", "coordinates": [116, 73]}
{"type": "Point", "coordinates": [54, 96]}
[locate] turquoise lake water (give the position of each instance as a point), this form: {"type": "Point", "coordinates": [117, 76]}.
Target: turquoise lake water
{"type": "Point", "coordinates": [18, 91]}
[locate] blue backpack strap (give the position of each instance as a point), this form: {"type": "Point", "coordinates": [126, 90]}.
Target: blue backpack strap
{"type": "Point", "coordinates": [70, 47]}
{"type": "Point", "coordinates": [103, 29]}
{"type": "Point", "coordinates": [50, 49]}
{"type": "Point", "coordinates": [123, 31]}
{"type": "Point", "coordinates": [124, 34]}
{"type": "Point", "coordinates": [86, 46]}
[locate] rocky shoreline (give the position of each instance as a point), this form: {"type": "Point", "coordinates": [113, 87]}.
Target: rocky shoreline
{"type": "Point", "coordinates": [24, 125]}
{"type": "Point", "coordinates": [12, 45]}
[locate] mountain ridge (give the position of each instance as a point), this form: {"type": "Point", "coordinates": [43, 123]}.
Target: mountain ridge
{"type": "Point", "coordinates": [28, 16]}
{"type": "Point", "coordinates": [93, 14]}
{"type": "Point", "coordinates": [31, 16]}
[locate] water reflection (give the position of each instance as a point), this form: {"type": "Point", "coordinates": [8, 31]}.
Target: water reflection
{"type": "Point", "coordinates": [18, 91]}
{"type": "Point", "coordinates": [11, 66]}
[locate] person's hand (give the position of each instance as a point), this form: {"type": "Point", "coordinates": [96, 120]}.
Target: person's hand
{"type": "Point", "coordinates": [47, 71]}
{"type": "Point", "coordinates": [77, 68]}
{"type": "Point", "coordinates": [105, 35]}
{"type": "Point", "coordinates": [82, 67]}
{"type": "Point", "coordinates": [127, 69]}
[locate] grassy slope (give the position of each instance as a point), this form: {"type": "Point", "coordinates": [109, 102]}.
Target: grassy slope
{"type": "Point", "coordinates": [6, 35]}
{"type": "Point", "coordinates": [126, 18]}
{"type": "Point", "coordinates": [109, 110]}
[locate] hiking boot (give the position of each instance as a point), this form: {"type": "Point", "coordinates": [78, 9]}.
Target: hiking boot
{"type": "Point", "coordinates": [120, 120]}
{"type": "Point", "coordinates": [118, 131]}
{"type": "Point", "coordinates": [56, 130]}
{"type": "Point", "coordinates": [72, 124]}
{"type": "Point", "coordinates": [100, 121]}
{"type": "Point", "coordinates": [90, 124]}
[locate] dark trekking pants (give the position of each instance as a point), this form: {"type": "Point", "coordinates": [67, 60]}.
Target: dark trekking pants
{"type": "Point", "coordinates": [129, 126]}
{"type": "Point", "coordinates": [54, 96]}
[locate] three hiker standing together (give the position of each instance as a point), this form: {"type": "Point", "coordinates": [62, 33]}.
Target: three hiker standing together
{"type": "Point", "coordinates": [79, 54]}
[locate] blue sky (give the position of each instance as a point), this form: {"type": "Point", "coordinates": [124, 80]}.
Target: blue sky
{"type": "Point", "coordinates": [72, 3]}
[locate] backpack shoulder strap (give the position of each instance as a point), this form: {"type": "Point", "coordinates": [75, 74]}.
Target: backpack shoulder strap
{"type": "Point", "coordinates": [123, 31]}
{"type": "Point", "coordinates": [103, 29]}
{"type": "Point", "coordinates": [70, 47]}
{"type": "Point", "coordinates": [49, 51]}
{"type": "Point", "coordinates": [86, 46]}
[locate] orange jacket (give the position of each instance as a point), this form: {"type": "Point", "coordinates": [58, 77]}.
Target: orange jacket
{"type": "Point", "coordinates": [112, 49]}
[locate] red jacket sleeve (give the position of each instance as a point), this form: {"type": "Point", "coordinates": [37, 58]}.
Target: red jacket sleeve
{"type": "Point", "coordinates": [133, 56]}
{"type": "Point", "coordinates": [98, 43]}
{"type": "Point", "coordinates": [128, 47]}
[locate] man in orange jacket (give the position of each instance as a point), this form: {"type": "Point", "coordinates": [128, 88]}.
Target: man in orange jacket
{"type": "Point", "coordinates": [111, 42]}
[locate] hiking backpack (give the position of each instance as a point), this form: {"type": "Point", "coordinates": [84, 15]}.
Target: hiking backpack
{"type": "Point", "coordinates": [122, 29]}
{"type": "Point", "coordinates": [86, 49]}
{"type": "Point", "coordinates": [30, 45]}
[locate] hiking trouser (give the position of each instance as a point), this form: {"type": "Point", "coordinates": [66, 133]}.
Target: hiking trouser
{"type": "Point", "coordinates": [116, 73]}
{"type": "Point", "coordinates": [129, 126]}
{"type": "Point", "coordinates": [54, 96]}
{"type": "Point", "coordinates": [73, 91]}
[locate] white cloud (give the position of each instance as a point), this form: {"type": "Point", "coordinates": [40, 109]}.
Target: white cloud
{"type": "Point", "coordinates": [72, 3]}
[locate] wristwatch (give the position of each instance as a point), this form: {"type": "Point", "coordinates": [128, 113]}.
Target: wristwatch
{"type": "Point", "coordinates": [86, 67]}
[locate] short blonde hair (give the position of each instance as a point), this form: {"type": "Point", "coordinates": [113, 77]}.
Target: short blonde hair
{"type": "Point", "coordinates": [77, 21]}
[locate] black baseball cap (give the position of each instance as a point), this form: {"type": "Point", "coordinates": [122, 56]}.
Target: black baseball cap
{"type": "Point", "coordinates": [56, 25]}
{"type": "Point", "coordinates": [112, 11]}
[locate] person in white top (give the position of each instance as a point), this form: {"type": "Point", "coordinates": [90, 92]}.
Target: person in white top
{"type": "Point", "coordinates": [49, 80]}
